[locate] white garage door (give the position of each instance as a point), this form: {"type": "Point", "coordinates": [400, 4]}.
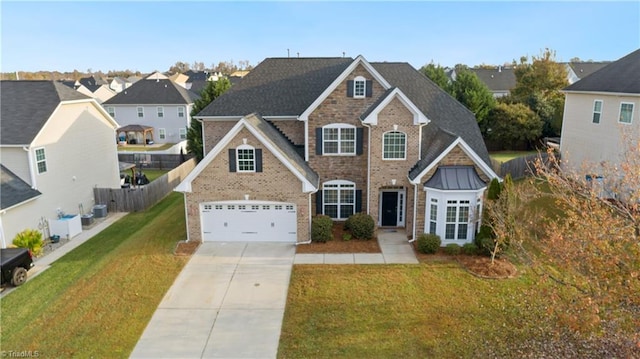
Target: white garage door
{"type": "Point", "coordinates": [248, 221]}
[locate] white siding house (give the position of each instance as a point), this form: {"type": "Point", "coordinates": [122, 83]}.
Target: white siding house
{"type": "Point", "coordinates": [59, 143]}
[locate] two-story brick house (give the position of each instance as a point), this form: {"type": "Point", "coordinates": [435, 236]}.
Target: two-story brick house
{"type": "Point", "coordinates": [337, 136]}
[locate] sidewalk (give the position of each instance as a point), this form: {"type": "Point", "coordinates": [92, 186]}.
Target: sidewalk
{"type": "Point", "coordinates": [393, 244]}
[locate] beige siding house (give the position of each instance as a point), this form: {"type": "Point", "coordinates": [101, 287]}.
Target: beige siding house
{"type": "Point", "coordinates": [299, 137]}
{"type": "Point", "coordinates": [602, 117]}
{"type": "Point", "coordinates": [56, 145]}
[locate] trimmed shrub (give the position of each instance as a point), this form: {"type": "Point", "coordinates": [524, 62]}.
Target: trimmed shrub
{"type": "Point", "coordinates": [470, 249]}
{"type": "Point", "coordinates": [30, 239]}
{"type": "Point", "coordinates": [452, 249]}
{"type": "Point", "coordinates": [494, 189]}
{"type": "Point", "coordinates": [321, 226]}
{"type": "Point", "coordinates": [429, 243]}
{"type": "Point", "coordinates": [485, 240]}
{"type": "Point", "coordinates": [361, 225]}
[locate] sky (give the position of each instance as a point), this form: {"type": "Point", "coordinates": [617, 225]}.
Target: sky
{"type": "Point", "coordinates": [153, 35]}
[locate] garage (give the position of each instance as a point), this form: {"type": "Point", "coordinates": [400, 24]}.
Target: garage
{"type": "Point", "coordinates": [248, 221]}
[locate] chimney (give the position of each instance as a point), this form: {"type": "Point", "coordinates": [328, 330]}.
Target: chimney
{"type": "Point", "coordinates": [499, 68]}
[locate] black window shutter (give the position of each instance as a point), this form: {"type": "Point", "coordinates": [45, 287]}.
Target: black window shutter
{"type": "Point", "coordinates": [358, 200]}
{"type": "Point", "coordinates": [359, 139]}
{"type": "Point", "coordinates": [319, 202]}
{"type": "Point", "coordinates": [232, 160]}
{"type": "Point", "coordinates": [350, 88]}
{"type": "Point", "coordinates": [369, 88]}
{"type": "Point", "coordinates": [258, 153]}
{"type": "Point", "coordinates": [319, 141]}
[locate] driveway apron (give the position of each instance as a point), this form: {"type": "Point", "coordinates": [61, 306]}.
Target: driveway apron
{"type": "Point", "coordinates": [228, 302]}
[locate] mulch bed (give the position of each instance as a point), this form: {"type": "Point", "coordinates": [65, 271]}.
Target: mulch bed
{"type": "Point", "coordinates": [479, 266]}
{"type": "Point", "coordinates": [339, 245]}
{"type": "Point", "coordinates": [184, 248]}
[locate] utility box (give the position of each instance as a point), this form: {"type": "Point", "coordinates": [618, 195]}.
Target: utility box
{"type": "Point", "coordinates": [100, 210]}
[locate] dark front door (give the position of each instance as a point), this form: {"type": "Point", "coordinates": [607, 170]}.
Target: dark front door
{"type": "Point", "coordinates": [390, 209]}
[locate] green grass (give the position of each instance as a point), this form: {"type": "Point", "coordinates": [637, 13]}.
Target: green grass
{"type": "Point", "coordinates": [96, 300]}
{"type": "Point", "coordinates": [434, 310]}
{"type": "Point", "coordinates": [504, 156]}
{"type": "Point", "coordinates": [153, 174]}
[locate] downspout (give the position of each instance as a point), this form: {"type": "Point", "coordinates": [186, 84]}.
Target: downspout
{"type": "Point", "coordinates": [186, 216]}
{"type": "Point", "coordinates": [32, 174]}
{"type": "Point", "coordinates": [4, 243]}
{"type": "Point", "coordinates": [415, 211]}
{"type": "Point", "coordinates": [368, 165]}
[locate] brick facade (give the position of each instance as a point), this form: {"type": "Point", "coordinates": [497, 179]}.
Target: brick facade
{"type": "Point", "coordinates": [214, 131]}
{"type": "Point", "coordinates": [292, 129]}
{"type": "Point", "coordinates": [275, 183]}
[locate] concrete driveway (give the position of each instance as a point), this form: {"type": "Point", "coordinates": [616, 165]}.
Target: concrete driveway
{"type": "Point", "coordinates": [228, 302]}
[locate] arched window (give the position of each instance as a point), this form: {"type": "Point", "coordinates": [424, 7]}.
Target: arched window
{"type": "Point", "coordinates": [394, 145]}
{"type": "Point", "coordinates": [359, 87]}
{"type": "Point", "coordinates": [339, 199]}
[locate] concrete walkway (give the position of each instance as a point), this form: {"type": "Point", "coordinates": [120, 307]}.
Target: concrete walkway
{"type": "Point", "coordinates": [229, 300]}
{"type": "Point", "coordinates": [393, 244]}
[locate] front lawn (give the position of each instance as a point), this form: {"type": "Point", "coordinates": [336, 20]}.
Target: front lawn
{"type": "Point", "coordinates": [97, 300]}
{"type": "Point", "coordinates": [431, 310]}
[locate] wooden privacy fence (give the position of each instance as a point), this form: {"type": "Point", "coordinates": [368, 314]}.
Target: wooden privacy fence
{"type": "Point", "coordinates": [154, 160]}
{"type": "Point", "coordinates": [140, 198]}
{"type": "Point", "coordinates": [520, 167]}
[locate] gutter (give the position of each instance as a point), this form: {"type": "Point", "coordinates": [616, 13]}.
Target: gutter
{"type": "Point", "coordinates": [368, 166]}
{"type": "Point", "coordinates": [415, 211]}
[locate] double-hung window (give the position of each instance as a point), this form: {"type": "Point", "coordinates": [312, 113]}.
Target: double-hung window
{"type": "Point", "coordinates": [626, 112]}
{"type": "Point", "coordinates": [394, 145]}
{"type": "Point", "coordinates": [457, 220]}
{"type": "Point", "coordinates": [160, 111]}
{"type": "Point", "coordinates": [140, 110]}
{"type": "Point", "coordinates": [246, 159]}
{"type": "Point", "coordinates": [433, 216]}
{"type": "Point", "coordinates": [339, 139]}
{"type": "Point", "coordinates": [339, 199]}
{"type": "Point", "coordinates": [41, 160]}
{"type": "Point", "coordinates": [359, 87]}
{"type": "Point", "coordinates": [112, 111]}
{"type": "Point", "coordinates": [597, 111]}
{"type": "Point", "coordinates": [181, 111]}
{"type": "Point", "coordinates": [183, 133]}
{"type": "Point", "coordinates": [162, 133]}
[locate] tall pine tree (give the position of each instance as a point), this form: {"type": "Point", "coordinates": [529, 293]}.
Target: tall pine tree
{"type": "Point", "coordinates": [194, 133]}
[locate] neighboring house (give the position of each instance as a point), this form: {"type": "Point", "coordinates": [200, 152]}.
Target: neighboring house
{"type": "Point", "coordinates": [118, 84]}
{"type": "Point", "coordinates": [500, 80]}
{"type": "Point", "coordinates": [154, 102]}
{"type": "Point", "coordinates": [602, 116]}
{"type": "Point", "coordinates": [56, 145]}
{"type": "Point", "coordinates": [579, 70]}
{"type": "Point", "coordinates": [180, 79]}
{"type": "Point", "coordinates": [98, 88]}
{"type": "Point", "coordinates": [336, 136]}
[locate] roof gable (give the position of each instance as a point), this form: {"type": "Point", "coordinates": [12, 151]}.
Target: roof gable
{"type": "Point", "coordinates": [371, 115]}
{"type": "Point", "coordinates": [621, 76]}
{"type": "Point", "coordinates": [272, 140]}
{"type": "Point", "coordinates": [25, 106]}
{"type": "Point", "coordinates": [153, 92]}
{"type": "Point", "coordinates": [13, 190]}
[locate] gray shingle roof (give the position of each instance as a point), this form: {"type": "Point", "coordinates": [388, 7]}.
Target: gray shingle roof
{"type": "Point", "coordinates": [14, 190]}
{"type": "Point", "coordinates": [25, 106]}
{"type": "Point", "coordinates": [153, 92]}
{"type": "Point", "coordinates": [278, 87]}
{"type": "Point", "coordinates": [622, 76]}
{"type": "Point", "coordinates": [285, 147]}
{"type": "Point", "coordinates": [499, 79]}
{"type": "Point", "coordinates": [443, 110]}
{"type": "Point", "coordinates": [584, 69]}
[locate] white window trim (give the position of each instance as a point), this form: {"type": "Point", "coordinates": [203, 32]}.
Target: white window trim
{"type": "Point", "coordinates": [245, 147]}
{"type": "Point", "coordinates": [402, 206]}
{"type": "Point", "coordinates": [35, 157]}
{"type": "Point", "coordinates": [162, 134]}
{"type": "Point", "coordinates": [404, 157]}
{"type": "Point", "coordinates": [633, 108]}
{"type": "Point", "coordinates": [111, 111]}
{"type": "Point", "coordinates": [182, 133]}
{"type": "Point", "coordinates": [474, 198]}
{"type": "Point", "coordinates": [339, 203]}
{"type": "Point", "coordinates": [360, 79]}
{"type": "Point", "coordinates": [181, 113]}
{"type": "Point", "coordinates": [160, 111]}
{"type": "Point", "coordinates": [340, 127]}
{"type": "Point", "coordinates": [593, 113]}
{"type": "Point", "coordinates": [140, 111]}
